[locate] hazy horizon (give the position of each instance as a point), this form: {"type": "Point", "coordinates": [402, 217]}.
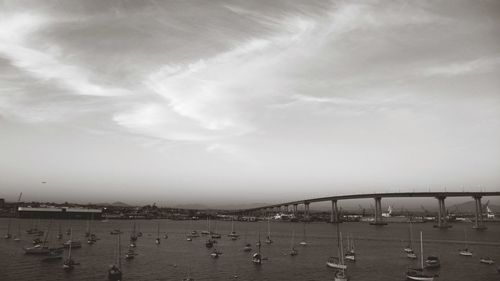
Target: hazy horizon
{"type": "Point", "coordinates": [236, 102]}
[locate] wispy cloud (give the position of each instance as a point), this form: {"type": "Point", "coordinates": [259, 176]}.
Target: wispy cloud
{"type": "Point", "coordinates": [45, 62]}
{"type": "Point", "coordinates": [475, 66]}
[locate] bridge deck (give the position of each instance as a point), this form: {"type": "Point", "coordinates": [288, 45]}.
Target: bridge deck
{"type": "Point", "coordinates": [383, 195]}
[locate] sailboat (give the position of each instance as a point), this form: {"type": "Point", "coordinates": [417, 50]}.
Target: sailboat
{"type": "Point", "coordinates": [233, 235]}
{"type": "Point", "coordinates": [215, 253]}
{"type": "Point", "coordinates": [257, 257]}
{"type": "Point", "coordinates": [340, 275]}
{"type": "Point", "coordinates": [114, 272]}
{"type": "Point", "coordinates": [268, 238]}
{"type": "Point", "coordinates": [59, 235]}
{"type": "Point", "coordinates": [486, 260]}
{"type": "Point", "coordinates": [17, 238]}
{"type": "Point", "coordinates": [409, 249]}
{"type": "Point", "coordinates": [293, 251]}
{"type": "Point", "coordinates": [133, 235]}
{"type": "Point", "coordinates": [418, 273]}
{"type": "Point", "coordinates": [130, 253]}
{"type": "Point", "coordinates": [248, 246]}
{"type": "Point", "coordinates": [8, 235]}
{"type": "Point", "coordinates": [350, 254]}
{"type": "Point", "coordinates": [303, 242]}
{"type": "Point", "coordinates": [158, 241]}
{"type": "Point", "coordinates": [215, 235]}
{"type": "Point", "coordinates": [465, 251]}
{"type": "Point", "coordinates": [41, 249]}
{"type": "Point", "coordinates": [69, 263]}
{"type": "Point", "coordinates": [207, 232]}
{"type": "Point", "coordinates": [188, 275]}
{"type": "Point", "coordinates": [337, 262]}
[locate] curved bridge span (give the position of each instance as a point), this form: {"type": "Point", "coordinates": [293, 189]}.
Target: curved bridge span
{"type": "Point", "coordinates": [378, 220]}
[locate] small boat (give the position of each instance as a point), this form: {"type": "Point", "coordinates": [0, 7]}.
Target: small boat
{"type": "Point", "coordinates": [409, 248]}
{"type": "Point", "coordinates": [341, 275]}
{"type": "Point", "coordinates": [247, 248]}
{"type": "Point", "coordinates": [59, 235]}
{"type": "Point", "coordinates": [194, 234]}
{"type": "Point", "coordinates": [216, 235]}
{"type": "Point", "coordinates": [92, 239]}
{"type": "Point", "coordinates": [268, 238]}
{"type": "Point", "coordinates": [207, 232]}
{"type": "Point", "coordinates": [165, 236]}
{"type": "Point", "coordinates": [69, 263]}
{"type": "Point", "coordinates": [209, 244]}
{"type": "Point", "coordinates": [133, 234]}
{"type": "Point", "coordinates": [115, 232]}
{"type": "Point", "coordinates": [132, 245]}
{"type": "Point", "coordinates": [130, 254]}
{"type": "Point", "coordinates": [72, 244]}
{"type": "Point", "coordinates": [157, 240]}
{"type": "Point", "coordinates": [233, 235]}
{"type": "Point", "coordinates": [17, 238]}
{"type": "Point", "coordinates": [114, 272]}
{"type": "Point", "coordinates": [37, 241]}
{"type": "Point", "coordinates": [486, 260]}
{"type": "Point", "coordinates": [465, 251]}
{"type": "Point", "coordinates": [215, 254]}
{"type": "Point", "coordinates": [337, 262]}
{"type": "Point", "coordinates": [418, 274]}
{"type": "Point", "coordinates": [189, 239]}
{"type": "Point", "coordinates": [432, 262]}
{"type": "Point", "coordinates": [293, 251]}
{"type": "Point", "coordinates": [411, 255]}
{"type": "Point", "coordinates": [257, 257]}
{"type": "Point", "coordinates": [303, 242]}
{"type": "Point", "coordinates": [8, 235]}
{"type": "Point", "coordinates": [350, 254]}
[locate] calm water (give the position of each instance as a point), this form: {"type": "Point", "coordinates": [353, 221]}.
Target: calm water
{"type": "Point", "coordinates": [378, 249]}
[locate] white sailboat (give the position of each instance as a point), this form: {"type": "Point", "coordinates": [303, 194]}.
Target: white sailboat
{"type": "Point", "coordinates": [303, 242]}
{"type": "Point", "coordinates": [418, 274]}
{"type": "Point", "coordinates": [268, 238]}
{"type": "Point", "coordinates": [293, 251]}
{"type": "Point", "coordinates": [465, 251]}
{"type": "Point", "coordinates": [233, 235]}
{"type": "Point", "coordinates": [158, 241]}
{"type": "Point", "coordinates": [350, 254]}
{"type": "Point", "coordinates": [8, 235]}
{"type": "Point", "coordinates": [337, 262]}
{"type": "Point", "coordinates": [69, 263]}
{"type": "Point", "coordinates": [341, 275]}
{"type": "Point", "coordinates": [114, 272]}
{"type": "Point", "coordinates": [409, 249]}
{"type": "Point", "coordinates": [257, 257]}
{"type": "Point", "coordinates": [207, 232]}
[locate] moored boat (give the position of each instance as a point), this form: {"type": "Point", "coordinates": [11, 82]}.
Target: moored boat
{"type": "Point", "coordinates": [418, 274]}
{"type": "Point", "coordinates": [486, 260]}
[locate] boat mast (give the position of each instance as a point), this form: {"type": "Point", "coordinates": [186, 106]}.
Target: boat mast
{"type": "Point", "coordinates": [421, 251]}
{"type": "Point", "coordinates": [119, 252]}
{"type": "Point", "coordinates": [341, 251]}
{"type": "Point", "coordinates": [70, 244]}
{"type": "Point", "coordinates": [269, 228]}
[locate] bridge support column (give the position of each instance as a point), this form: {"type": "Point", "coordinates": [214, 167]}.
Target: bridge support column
{"type": "Point", "coordinates": [295, 209]}
{"type": "Point", "coordinates": [334, 216]}
{"type": "Point", "coordinates": [442, 223]}
{"type": "Point", "coordinates": [306, 211]}
{"type": "Point", "coordinates": [286, 209]}
{"type": "Point", "coordinates": [479, 223]}
{"type": "Point", "coordinates": [378, 212]}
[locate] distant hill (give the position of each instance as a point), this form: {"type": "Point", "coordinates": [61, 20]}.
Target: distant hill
{"type": "Point", "coordinates": [470, 207]}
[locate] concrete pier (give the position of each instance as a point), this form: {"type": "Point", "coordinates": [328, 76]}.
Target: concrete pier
{"type": "Point", "coordinates": [306, 211]}
{"type": "Point", "coordinates": [334, 217]}
{"type": "Point", "coordinates": [441, 217]}
{"type": "Point", "coordinates": [378, 220]}
{"type": "Point", "coordinates": [479, 222]}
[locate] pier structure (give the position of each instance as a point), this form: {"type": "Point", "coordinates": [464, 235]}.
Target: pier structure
{"type": "Point", "coordinates": [479, 222]}
{"type": "Point", "coordinates": [441, 217]}
{"type": "Point", "coordinates": [378, 219]}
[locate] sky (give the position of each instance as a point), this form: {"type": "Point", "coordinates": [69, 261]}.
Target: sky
{"type": "Point", "coordinates": [218, 102]}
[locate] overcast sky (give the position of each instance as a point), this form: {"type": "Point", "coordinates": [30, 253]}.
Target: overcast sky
{"type": "Point", "coordinates": [247, 101]}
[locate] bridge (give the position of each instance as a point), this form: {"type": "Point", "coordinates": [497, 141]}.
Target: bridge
{"type": "Point", "coordinates": [378, 219]}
